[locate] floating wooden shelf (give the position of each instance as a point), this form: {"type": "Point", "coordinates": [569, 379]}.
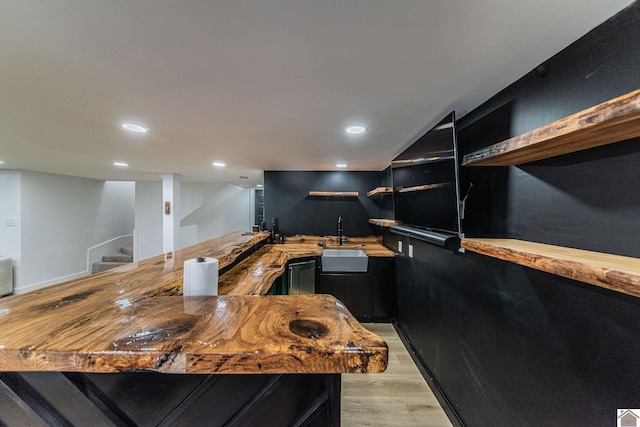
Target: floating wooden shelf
{"type": "Point", "coordinates": [615, 272]}
{"type": "Point", "coordinates": [612, 121]}
{"type": "Point", "coordinates": [382, 222]}
{"type": "Point", "coordinates": [380, 191]}
{"type": "Point", "coordinates": [333, 193]}
{"type": "Point", "coordinates": [422, 187]}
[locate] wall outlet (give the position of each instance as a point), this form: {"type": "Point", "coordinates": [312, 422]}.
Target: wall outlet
{"type": "Point", "coordinates": [410, 251]}
{"type": "Point", "coordinates": [400, 246]}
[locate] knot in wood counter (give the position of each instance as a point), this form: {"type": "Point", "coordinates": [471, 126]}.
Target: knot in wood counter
{"type": "Point", "coordinates": [135, 318]}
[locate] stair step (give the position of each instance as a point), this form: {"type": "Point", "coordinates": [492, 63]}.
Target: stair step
{"type": "Point", "coordinates": [121, 257]}
{"type": "Point", "coordinates": [127, 250]}
{"type": "Point", "coordinates": [97, 267]}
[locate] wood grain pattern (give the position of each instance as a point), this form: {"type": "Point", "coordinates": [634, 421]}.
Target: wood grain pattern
{"type": "Point", "coordinates": [618, 273]}
{"type": "Point", "coordinates": [333, 193]}
{"type": "Point", "coordinates": [382, 222]}
{"type": "Point", "coordinates": [423, 187]}
{"type": "Point", "coordinates": [380, 191]}
{"type": "Point", "coordinates": [121, 320]}
{"type": "Point", "coordinates": [256, 274]}
{"type": "Point", "coordinates": [306, 238]}
{"type": "Point", "coordinates": [612, 121]}
{"type": "Point", "coordinates": [224, 334]}
{"type": "Point", "coordinates": [371, 245]}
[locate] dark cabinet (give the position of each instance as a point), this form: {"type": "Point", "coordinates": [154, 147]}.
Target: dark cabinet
{"type": "Point", "coordinates": [382, 272]}
{"type": "Point", "coordinates": [357, 295]}
{"type": "Point", "coordinates": [368, 296]}
{"type": "Point", "coordinates": [332, 284]}
{"type": "Point", "coordinates": [353, 289]}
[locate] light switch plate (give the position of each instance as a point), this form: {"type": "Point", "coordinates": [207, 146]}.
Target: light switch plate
{"type": "Point", "coordinates": [410, 251]}
{"type": "Point", "coordinates": [399, 246]}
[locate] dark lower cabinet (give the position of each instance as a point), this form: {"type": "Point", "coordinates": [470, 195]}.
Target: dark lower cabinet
{"type": "Point", "coordinates": [153, 399]}
{"type": "Point", "coordinates": [357, 295]}
{"type": "Point", "coordinates": [353, 289]}
{"type": "Point", "coordinates": [332, 284]}
{"type": "Point", "coordinates": [382, 288]}
{"type": "Point", "coordinates": [368, 296]}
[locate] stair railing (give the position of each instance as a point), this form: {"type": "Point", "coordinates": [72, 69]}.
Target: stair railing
{"type": "Point", "coordinates": [111, 246]}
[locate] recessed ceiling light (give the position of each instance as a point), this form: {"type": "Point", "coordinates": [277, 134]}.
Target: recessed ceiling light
{"type": "Point", "coordinates": [121, 164]}
{"type": "Point", "coordinates": [219, 164]}
{"type": "Point", "coordinates": [259, 185]}
{"type": "Point", "coordinates": [341, 165]}
{"type": "Point", "coordinates": [1, 162]}
{"type": "Point", "coordinates": [355, 130]}
{"type": "Point", "coordinates": [135, 128]}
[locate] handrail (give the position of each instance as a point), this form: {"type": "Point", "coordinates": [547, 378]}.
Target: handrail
{"type": "Point", "coordinates": [102, 244]}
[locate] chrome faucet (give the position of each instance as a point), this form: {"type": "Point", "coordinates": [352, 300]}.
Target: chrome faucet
{"type": "Point", "coordinates": [340, 239]}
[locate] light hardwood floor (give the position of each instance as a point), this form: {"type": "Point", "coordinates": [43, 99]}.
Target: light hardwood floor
{"type": "Point", "coordinates": [398, 397]}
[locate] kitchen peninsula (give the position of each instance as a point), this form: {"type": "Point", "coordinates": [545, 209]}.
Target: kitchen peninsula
{"type": "Point", "coordinates": [113, 348]}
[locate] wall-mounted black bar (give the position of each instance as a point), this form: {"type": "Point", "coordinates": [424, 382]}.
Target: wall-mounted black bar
{"type": "Point", "coordinates": [450, 242]}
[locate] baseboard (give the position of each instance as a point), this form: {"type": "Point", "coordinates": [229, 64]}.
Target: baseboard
{"type": "Point", "coordinates": [431, 381]}
{"type": "Point", "coordinates": [57, 280]}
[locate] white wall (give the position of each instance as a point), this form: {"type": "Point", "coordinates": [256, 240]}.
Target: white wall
{"type": "Point", "coordinates": [148, 219]}
{"type": "Point", "coordinates": [61, 217]}
{"type": "Point", "coordinates": [10, 211]}
{"type": "Point", "coordinates": [211, 210]}
{"type": "Point", "coordinates": [234, 215]}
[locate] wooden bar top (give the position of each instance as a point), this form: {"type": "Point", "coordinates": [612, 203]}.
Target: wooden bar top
{"type": "Point", "coordinates": [135, 318]}
{"type": "Point", "coordinates": [256, 274]}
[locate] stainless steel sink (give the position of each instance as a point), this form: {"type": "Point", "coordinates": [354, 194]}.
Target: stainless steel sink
{"type": "Point", "coordinates": [344, 260]}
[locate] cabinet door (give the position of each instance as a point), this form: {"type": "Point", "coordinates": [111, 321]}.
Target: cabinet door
{"type": "Point", "coordinates": [332, 284]}
{"type": "Point", "coordinates": [382, 287]}
{"type": "Point", "coordinates": [357, 295]}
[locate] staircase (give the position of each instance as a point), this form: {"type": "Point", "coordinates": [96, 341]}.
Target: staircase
{"type": "Point", "coordinates": [125, 256]}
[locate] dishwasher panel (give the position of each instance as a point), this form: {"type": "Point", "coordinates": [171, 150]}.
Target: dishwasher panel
{"type": "Point", "coordinates": [302, 278]}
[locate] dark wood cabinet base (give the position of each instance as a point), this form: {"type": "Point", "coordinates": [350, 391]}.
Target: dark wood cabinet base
{"type": "Point", "coordinates": [147, 398]}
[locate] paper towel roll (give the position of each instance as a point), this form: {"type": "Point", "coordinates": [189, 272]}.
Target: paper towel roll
{"type": "Point", "coordinates": [200, 278]}
{"type": "Point", "coordinates": [6, 276]}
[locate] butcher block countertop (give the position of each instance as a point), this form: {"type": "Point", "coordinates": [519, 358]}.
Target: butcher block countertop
{"type": "Point", "coordinates": [135, 318]}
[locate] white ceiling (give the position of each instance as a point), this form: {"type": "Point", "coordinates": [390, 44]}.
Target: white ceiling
{"type": "Point", "coordinates": [261, 85]}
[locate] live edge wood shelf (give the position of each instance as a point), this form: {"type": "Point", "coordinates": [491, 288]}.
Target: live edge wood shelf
{"type": "Point", "coordinates": [422, 187]}
{"type": "Point", "coordinates": [618, 273]}
{"type": "Point", "coordinates": [380, 191]}
{"type": "Point", "coordinates": [612, 121]}
{"type": "Point", "coordinates": [333, 193]}
{"type": "Point", "coordinates": [382, 222]}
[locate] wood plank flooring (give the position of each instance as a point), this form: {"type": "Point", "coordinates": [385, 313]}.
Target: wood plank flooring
{"type": "Point", "coordinates": [398, 397]}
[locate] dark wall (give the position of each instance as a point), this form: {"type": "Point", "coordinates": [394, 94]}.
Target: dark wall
{"type": "Point", "coordinates": [509, 345]}
{"type": "Point", "coordinates": [386, 202]}
{"type": "Point", "coordinates": [286, 197]}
